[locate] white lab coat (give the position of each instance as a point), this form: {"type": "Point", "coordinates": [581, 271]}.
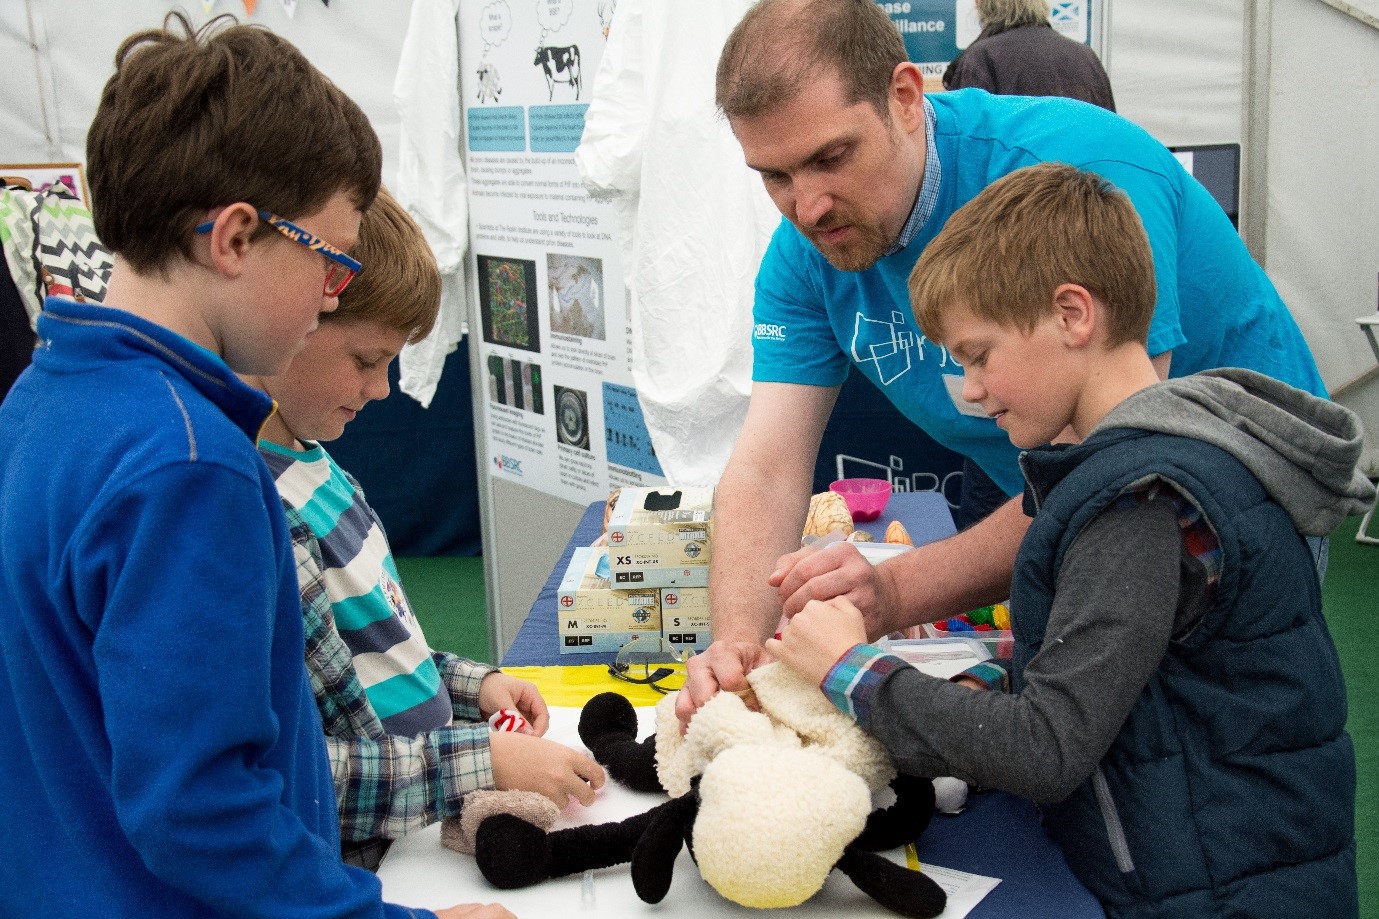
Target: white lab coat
{"type": "Point", "coordinates": [693, 222]}
{"type": "Point", "coordinates": [431, 182]}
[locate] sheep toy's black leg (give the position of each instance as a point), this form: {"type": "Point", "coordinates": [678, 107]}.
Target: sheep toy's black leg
{"type": "Point", "coordinates": [513, 853]}
{"type": "Point", "coordinates": [608, 727]}
{"type": "Point", "coordinates": [653, 860]}
{"type": "Point", "coordinates": [898, 889]}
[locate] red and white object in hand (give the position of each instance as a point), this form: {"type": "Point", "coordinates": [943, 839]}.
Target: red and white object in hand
{"type": "Point", "coordinates": [508, 720]}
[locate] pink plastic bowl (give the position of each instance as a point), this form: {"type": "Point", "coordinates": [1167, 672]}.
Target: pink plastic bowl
{"type": "Point", "coordinates": [866, 498]}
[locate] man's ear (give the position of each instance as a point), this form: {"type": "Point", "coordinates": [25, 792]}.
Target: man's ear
{"type": "Point", "coordinates": [1078, 313]}
{"type": "Point", "coordinates": [907, 96]}
{"type": "Point", "coordinates": [228, 241]}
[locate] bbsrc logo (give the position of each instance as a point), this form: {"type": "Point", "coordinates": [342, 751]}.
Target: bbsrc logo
{"type": "Point", "coordinates": [768, 331]}
{"type": "Point", "coordinates": [508, 464]}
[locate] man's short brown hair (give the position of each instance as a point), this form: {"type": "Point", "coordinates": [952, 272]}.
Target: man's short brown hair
{"type": "Point", "coordinates": [192, 120]}
{"type": "Point", "coordinates": [1005, 252]}
{"type": "Point", "coordinates": [781, 47]}
{"type": "Point", "coordinates": [400, 285]}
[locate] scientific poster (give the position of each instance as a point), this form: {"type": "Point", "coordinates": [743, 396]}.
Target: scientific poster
{"type": "Point", "coordinates": [561, 414]}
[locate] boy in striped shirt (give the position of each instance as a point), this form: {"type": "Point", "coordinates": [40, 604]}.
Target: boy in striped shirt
{"type": "Point", "coordinates": [405, 725]}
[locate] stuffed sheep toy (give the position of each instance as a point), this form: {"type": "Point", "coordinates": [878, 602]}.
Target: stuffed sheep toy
{"type": "Point", "coordinates": [768, 801]}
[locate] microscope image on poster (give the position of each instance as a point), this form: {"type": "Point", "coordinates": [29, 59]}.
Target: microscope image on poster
{"type": "Point", "coordinates": [576, 286]}
{"type": "Point", "coordinates": [507, 302]}
{"type": "Point", "coordinates": [515, 383]}
{"type": "Point", "coordinates": [572, 417]}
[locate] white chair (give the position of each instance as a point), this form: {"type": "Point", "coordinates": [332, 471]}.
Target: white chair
{"type": "Point", "coordinates": [1368, 325]}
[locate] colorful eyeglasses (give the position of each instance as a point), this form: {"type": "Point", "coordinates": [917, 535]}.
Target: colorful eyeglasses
{"type": "Point", "coordinates": [340, 268]}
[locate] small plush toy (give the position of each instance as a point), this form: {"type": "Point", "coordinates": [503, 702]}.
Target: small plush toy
{"type": "Point", "coordinates": [769, 802]}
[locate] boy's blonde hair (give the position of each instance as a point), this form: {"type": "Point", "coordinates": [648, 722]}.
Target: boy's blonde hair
{"type": "Point", "coordinates": [1004, 253]}
{"type": "Point", "coordinates": [399, 286]}
{"type": "Point", "coordinates": [193, 120]}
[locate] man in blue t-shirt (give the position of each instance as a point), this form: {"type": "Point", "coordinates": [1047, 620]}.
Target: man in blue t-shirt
{"type": "Point", "coordinates": [866, 170]}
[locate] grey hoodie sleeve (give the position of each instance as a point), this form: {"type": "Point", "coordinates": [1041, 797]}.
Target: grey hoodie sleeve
{"type": "Point", "coordinates": [1127, 585]}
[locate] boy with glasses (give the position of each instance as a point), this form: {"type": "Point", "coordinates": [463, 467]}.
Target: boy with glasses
{"type": "Point", "coordinates": [405, 725]}
{"type": "Point", "coordinates": [161, 747]}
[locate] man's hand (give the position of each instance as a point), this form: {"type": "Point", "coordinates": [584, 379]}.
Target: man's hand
{"type": "Point", "coordinates": [475, 911]}
{"type": "Point", "coordinates": [818, 636]}
{"type": "Point", "coordinates": [499, 691]}
{"type": "Point", "coordinates": [527, 763]}
{"type": "Point", "coordinates": [723, 665]}
{"type": "Point", "coordinates": [836, 571]}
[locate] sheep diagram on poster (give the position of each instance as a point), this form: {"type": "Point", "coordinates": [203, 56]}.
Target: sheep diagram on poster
{"type": "Point", "coordinates": [495, 24]}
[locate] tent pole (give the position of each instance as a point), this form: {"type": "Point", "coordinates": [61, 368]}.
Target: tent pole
{"type": "Point", "coordinates": [1254, 206]}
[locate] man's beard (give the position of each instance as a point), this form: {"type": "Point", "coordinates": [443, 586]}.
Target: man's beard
{"type": "Point", "coordinates": [861, 252]}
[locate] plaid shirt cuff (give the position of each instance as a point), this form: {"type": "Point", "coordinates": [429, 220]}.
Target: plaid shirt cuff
{"type": "Point", "coordinates": [388, 787]}
{"type": "Point", "coordinates": [462, 677]}
{"type": "Point", "coordinates": [993, 676]}
{"type": "Point", "coordinates": [852, 683]}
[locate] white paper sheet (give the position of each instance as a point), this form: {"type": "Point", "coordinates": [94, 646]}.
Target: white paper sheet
{"type": "Point", "coordinates": [418, 871]}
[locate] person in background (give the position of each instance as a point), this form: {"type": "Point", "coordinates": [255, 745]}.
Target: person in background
{"type": "Point", "coordinates": [1019, 53]}
{"type": "Point", "coordinates": [1176, 705]}
{"type": "Point", "coordinates": [866, 169]}
{"type": "Point", "coordinates": [162, 750]}
{"type": "Point", "coordinates": [405, 725]}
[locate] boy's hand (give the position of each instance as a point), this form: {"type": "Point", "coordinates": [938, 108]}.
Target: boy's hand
{"type": "Point", "coordinates": [499, 691]}
{"type": "Point", "coordinates": [475, 911]}
{"type": "Point", "coordinates": [839, 571]}
{"type": "Point", "coordinates": [522, 762]}
{"type": "Point", "coordinates": [817, 636]}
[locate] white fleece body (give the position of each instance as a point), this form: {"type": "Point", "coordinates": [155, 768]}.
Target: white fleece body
{"type": "Point", "coordinates": [773, 822]}
{"type": "Point", "coordinates": [783, 790]}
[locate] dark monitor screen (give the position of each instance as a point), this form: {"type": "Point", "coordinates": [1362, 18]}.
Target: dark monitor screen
{"type": "Point", "coordinates": [1217, 167]}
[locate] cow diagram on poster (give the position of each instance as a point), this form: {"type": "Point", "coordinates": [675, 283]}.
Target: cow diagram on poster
{"type": "Point", "coordinates": [559, 63]}
{"type": "Point", "coordinates": [576, 286]}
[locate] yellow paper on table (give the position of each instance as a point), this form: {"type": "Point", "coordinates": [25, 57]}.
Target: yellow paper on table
{"type": "Point", "coordinates": [572, 686]}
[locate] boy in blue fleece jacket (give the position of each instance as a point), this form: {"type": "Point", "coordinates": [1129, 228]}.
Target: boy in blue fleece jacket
{"type": "Point", "coordinates": [162, 751]}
